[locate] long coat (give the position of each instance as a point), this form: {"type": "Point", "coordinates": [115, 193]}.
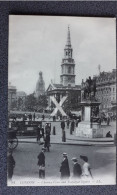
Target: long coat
{"type": "Point", "coordinates": [10, 165]}
{"type": "Point", "coordinates": [47, 140]}
{"type": "Point", "coordinates": [62, 124]}
{"type": "Point", "coordinates": [77, 171]}
{"type": "Point", "coordinates": [41, 159]}
{"type": "Point", "coordinates": [64, 169]}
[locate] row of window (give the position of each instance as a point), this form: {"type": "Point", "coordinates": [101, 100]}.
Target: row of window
{"type": "Point", "coordinates": [106, 89]}
{"type": "Point", "coordinates": [107, 79]}
{"type": "Point", "coordinates": [106, 99]}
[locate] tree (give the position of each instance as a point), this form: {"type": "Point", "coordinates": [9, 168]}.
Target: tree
{"type": "Point", "coordinates": [42, 102]}
{"type": "Point", "coordinates": [31, 102]}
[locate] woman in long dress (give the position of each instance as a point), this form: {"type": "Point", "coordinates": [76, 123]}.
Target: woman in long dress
{"type": "Point", "coordinates": [86, 169]}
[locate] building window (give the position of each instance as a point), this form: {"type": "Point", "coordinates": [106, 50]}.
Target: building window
{"type": "Point", "coordinates": [69, 69]}
{"type": "Point", "coordinates": [66, 53]}
{"type": "Point", "coordinates": [113, 89]}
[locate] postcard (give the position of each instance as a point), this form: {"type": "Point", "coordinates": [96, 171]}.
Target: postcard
{"type": "Point", "coordinates": [61, 101]}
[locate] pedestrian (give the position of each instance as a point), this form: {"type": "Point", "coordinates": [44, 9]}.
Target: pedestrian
{"type": "Point", "coordinates": [54, 118]}
{"type": "Point", "coordinates": [10, 165]}
{"type": "Point", "coordinates": [72, 126]}
{"type": "Point", "coordinates": [42, 131]}
{"type": "Point", "coordinates": [41, 163]}
{"type": "Point", "coordinates": [47, 142]}
{"type": "Point", "coordinates": [62, 125]}
{"type": "Point", "coordinates": [48, 128]}
{"type": "Point", "coordinates": [108, 134]}
{"type": "Point", "coordinates": [77, 171]}
{"type": "Point", "coordinates": [86, 169]}
{"type": "Point", "coordinates": [77, 120]}
{"type": "Point", "coordinates": [68, 123]}
{"type": "Point", "coordinates": [30, 117]}
{"type": "Point", "coordinates": [34, 116]}
{"type": "Point", "coordinates": [38, 133]}
{"type": "Point", "coordinates": [64, 169]}
{"type": "Point", "coordinates": [108, 120]}
{"type": "Point", "coordinates": [43, 117]}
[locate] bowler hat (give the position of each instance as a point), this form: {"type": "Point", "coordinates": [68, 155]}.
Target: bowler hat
{"type": "Point", "coordinates": [64, 154]}
{"type": "Point", "coordinates": [74, 159]}
{"type": "Point", "coordinates": [43, 148]}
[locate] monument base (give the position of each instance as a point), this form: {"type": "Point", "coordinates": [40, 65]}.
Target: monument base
{"type": "Point", "coordinates": [89, 130]}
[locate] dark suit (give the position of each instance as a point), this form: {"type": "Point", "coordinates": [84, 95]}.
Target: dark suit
{"type": "Point", "coordinates": [77, 171]}
{"type": "Point", "coordinates": [10, 166]}
{"type": "Point", "coordinates": [64, 169]}
{"type": "Point", "coordinates": [62, 124]}
{"type": "Point", "coordinates": [47, 142]}
{"type": "Point", "coordinates": [41, 163]}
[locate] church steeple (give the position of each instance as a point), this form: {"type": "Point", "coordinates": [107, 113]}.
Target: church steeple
{"type": "Point", "coordinates": [68, 65]}
{"type": "Point", "coordinates": [40, 86]}
{"type": "Point", "coordinates": [68, 38]}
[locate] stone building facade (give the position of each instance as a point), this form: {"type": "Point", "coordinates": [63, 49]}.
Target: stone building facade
{"type": "Point", "coordinates": [12, 100]}
{"type": "Point", "coordinates": [21, 99]}
{"type": "Point", "coordinates": [106, 90]}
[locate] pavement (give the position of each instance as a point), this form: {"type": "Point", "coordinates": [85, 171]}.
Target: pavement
{"type": "Point", "coordinates": [73, 139]}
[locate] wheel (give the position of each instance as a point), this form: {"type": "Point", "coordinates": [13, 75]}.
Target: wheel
{"type": "Point", "coordinates": [12, 143]}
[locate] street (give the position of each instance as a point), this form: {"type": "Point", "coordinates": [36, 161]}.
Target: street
{"type": "Point", "coordinates": [101, 159]}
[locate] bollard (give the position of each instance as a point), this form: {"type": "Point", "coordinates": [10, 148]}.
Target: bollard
{"type": "Point", "coordinates": [115, 139]}
{"type": "Point", "coordinates": [63, 137]}
{"type": "Point", "coordinates": [54, 130]}
{"type": "Point", "coordinates": [70, 131]}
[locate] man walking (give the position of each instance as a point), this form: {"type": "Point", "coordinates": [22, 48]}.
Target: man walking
{"type": "Point", "coordinates": [41, 163]}
{"type": "Point", "coordinates": [10, 165]}
{"type": "Point", "coordinates": [64, 169]}
{"type": "Point", "coordinates": [72, 127]}
{"type": "Point", "coordinates": [77, 171]}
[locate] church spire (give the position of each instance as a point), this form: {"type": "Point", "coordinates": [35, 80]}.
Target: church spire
{"type": "Point", "coordinates": [68, 38]}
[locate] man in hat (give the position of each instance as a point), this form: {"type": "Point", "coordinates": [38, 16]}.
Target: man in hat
{"type": "Point", "coordinates": [77, 171]}
{"type": "Point", "coordinates": [10, 165]}
{"type": "Point", "coordinates": [41, 163]}
{"type": "Point", "coordinates": [64, 169]}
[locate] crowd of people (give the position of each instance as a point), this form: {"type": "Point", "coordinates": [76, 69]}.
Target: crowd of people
{"type": "Point", "coordinates": [77, 172]}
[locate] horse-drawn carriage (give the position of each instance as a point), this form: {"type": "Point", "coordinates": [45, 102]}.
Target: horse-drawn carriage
{"type": "Point", "coordinates": [12, 137]}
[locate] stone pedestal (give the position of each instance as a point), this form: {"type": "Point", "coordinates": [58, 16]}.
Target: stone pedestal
{"type": "Point", "coordinates": [86, 128]}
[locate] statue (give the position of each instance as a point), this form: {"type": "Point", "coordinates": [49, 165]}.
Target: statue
{"type": "Point", "coordinates": [89, 88]}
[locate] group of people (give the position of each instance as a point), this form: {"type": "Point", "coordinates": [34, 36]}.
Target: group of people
{"type": "Point", "coordinates": [78, 171]}
{"type": "Point", "coordinates": [44, 135]}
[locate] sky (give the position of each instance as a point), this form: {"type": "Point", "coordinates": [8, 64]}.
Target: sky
{"type": "Point", "coordinates": [36, 43]}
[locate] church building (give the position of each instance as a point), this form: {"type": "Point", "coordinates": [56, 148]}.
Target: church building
{"type": "Point", "coordinates": [67, 86]}
{"type": "Point", "coordinates": [40, 86]}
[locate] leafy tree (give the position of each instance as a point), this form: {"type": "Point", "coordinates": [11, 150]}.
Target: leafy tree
{"type": "Point", "coordinates": [42, 102]}
{"type": "Point", "coordinates": [31, 102]}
